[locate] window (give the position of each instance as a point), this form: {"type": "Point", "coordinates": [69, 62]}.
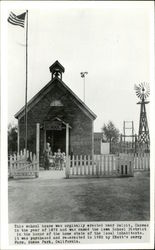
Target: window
{"type": "Point", "coordinates": [56, 103]}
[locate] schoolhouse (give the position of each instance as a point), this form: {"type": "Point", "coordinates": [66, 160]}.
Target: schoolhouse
{"type": "Point", "coordinates": [62, 116]}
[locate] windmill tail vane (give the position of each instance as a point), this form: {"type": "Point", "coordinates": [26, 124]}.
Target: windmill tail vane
{"type": "Point", "coordinates": [83, 74]}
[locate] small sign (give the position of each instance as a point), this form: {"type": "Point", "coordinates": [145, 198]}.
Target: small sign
{"type": "Point", "coordinates": [54, 125]}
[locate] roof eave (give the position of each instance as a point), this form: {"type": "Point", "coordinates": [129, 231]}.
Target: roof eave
{"type": "Point", "coordinates": [33, 98]}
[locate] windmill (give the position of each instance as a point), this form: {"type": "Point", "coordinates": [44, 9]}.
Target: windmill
{"type": "Point", "coordinates": [143, 91]}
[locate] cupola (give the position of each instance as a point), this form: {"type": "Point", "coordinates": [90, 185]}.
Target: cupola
{"type": "Point", "coordinates": [56, 70]}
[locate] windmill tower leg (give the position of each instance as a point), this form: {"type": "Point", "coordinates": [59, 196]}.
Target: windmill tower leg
{"type": "Point", "coordinates": [143, 135]}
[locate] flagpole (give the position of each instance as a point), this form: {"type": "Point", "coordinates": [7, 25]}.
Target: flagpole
{"type": "Point", "coordinates": [26, 81]}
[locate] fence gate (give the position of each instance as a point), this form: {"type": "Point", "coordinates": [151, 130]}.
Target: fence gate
{"type": "Point", "coordinates": [23, 165]}
{"type": "Point", "coordinates": [99, 166]}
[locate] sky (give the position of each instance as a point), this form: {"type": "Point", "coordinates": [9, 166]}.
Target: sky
{"type": "Point", "coordinates": [111, 41]}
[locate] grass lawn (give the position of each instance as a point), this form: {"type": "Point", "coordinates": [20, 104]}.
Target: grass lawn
{"type": "Point", "coordinates": [72, 200]}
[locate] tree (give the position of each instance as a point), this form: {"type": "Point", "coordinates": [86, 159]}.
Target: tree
{"type": "Point", "coordinates": [12, 138]}
{"type": "Point", "coordinates": [110, 132]}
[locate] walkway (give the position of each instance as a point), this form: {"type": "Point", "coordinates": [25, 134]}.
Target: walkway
{"type": "Point", "coordinates": [51, 174]}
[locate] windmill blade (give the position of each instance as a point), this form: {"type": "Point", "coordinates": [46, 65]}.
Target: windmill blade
{"type": "Point", "coordinates": [136, 87]}
{"type": "Point", "coordinates": [138, 91]}
{"type": "Point", "coordinates": [142, 90]}
{"type": "Point", "coordinates": [141, 96]}
{"type": "Point", "coordinates": [138, 94]}
{"type": "Point", "coordinates": [148, 93]}
{"type": "Point", "coordinates": [141, 85]}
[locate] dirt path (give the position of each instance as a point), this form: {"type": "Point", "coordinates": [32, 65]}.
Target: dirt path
{"type": "Point", "coordinates": [49, 199]}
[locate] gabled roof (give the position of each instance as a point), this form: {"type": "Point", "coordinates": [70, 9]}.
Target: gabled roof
{"type": "Point", "coordinates": [48, 88]}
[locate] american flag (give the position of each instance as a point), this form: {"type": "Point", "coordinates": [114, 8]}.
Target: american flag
{"type": "Point", "coordinates": [17, 20]}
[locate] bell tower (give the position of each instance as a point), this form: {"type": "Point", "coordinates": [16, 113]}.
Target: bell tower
{"type": "Point", "coordinates": [56, 70]}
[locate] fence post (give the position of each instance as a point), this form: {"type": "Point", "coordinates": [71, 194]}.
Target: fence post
{"type": "Point", "coordinates": [72, 160]}
{"type": "Point", "coordinates": [24, 153]}
{"type": "Point", "coordinates": [88, 164]}
{"type": "Point", "coordinates": [97, 166]}
{"type": "Point", "coordinates": [117, 164]}
{"type": "Point", "coordinates": [67, 167]}
{"type": "Point", "coordinates": [81, 165]}
{"type": "Point", "coordinates": [112, 164]}
{"type": "Point", "coordinates": [85, 165]}
{"type": "Point", "coordinates": [18, 159]}
{"type": "Point", "coordinates": [77, 164]}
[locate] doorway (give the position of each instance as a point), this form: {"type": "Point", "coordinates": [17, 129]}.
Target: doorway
{"type": "Point", "coordinates": [57, 139]}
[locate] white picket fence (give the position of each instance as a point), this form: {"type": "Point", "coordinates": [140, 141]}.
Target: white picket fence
{"type": "Point", "coordinates": [106, 165]}
{"type": "Point", "coordinates": [23, 165]}
{"type": "Point", "coordinates": [142, 162]}
{"type": "Point", "coordinates": [98, 166]}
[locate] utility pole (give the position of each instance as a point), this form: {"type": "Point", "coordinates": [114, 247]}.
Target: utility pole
{"type": "Point", "coordinates": [83, 76]}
